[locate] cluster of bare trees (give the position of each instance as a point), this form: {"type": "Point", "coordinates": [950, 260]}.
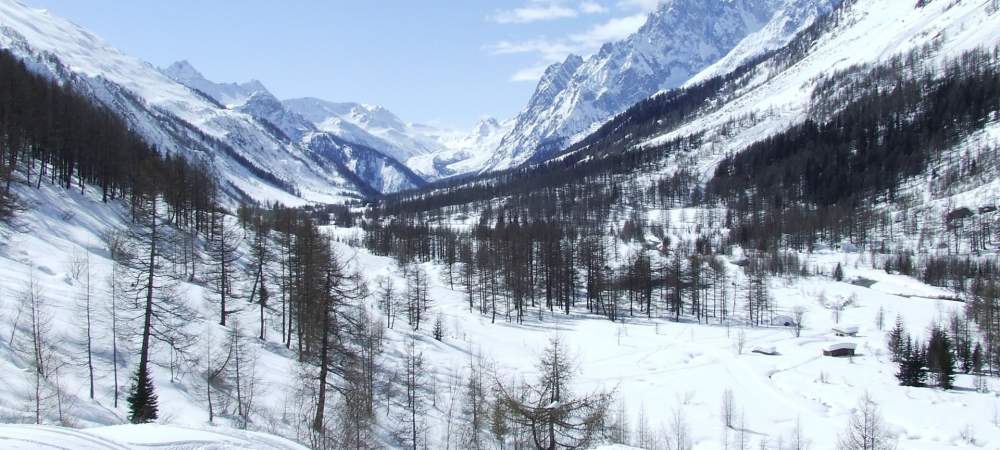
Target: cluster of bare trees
{"type": "Point", "coordinates": [513, 267]}
{"type": "Point", "coordinates": [31, 339]}
{"type": "Point", "coordinates": [316, 307]}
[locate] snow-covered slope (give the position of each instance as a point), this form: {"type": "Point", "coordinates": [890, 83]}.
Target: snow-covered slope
{"type": "Point", "coordinates": [779, 91]}
{"type": "Point", "coordinates": [387, 154]}
{"type": "Point", "coordinates": [137, 437]}
{"type": "Point", "coordinates": [247, 157]}
{"type": "Point", "coordinates": [679, 40]}
{"type": "Point", "coordinates": [658, 366]}
{"type": "Point", "coordinates": [787, 21]}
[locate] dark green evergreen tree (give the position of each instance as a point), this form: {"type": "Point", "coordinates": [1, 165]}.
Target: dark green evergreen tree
{"type": "Point", "coordinates": [897, 341]}
{"type": "Point", "coordinates": [142, 402]}
{"type": "Point", "coordinates": [940, 359]}
{"type": "Point", "coordinates": [912, 370]}
{"type": "Point", "coordinates": [977, 359]}
{"type": "Point", "coordinates": [439, 328]}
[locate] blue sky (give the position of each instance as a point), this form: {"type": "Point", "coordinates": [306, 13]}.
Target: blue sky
{"type": "Point", "coordinates": [433, 61]}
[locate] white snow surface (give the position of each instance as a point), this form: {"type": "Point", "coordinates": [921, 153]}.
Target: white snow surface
{"type": "Point", "coordinates": [371, 125]}
{"type": "Point", "coordinates": [653, 363]}
{"type": "Point", "coordinates": [138, 437]}
{"type": "Point", "coordinates": [464, 152]}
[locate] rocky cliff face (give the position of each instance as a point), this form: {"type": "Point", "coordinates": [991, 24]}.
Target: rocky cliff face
{"type": "Point", "coordinates": [679, 40]}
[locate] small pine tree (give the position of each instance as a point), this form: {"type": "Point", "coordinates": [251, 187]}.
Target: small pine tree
{"type": "Point", "coordinates": [977, 359]}
{"type": "Point", "coordinates": [903, 374]}
{"type": "Point", "coordinates": [911, 365]}
{"type": "Point", "coordinates": [438, 328]}
{"type": "Point", "coordinates": [142, 402]}
{"type": "Point", "coordinates": [940, 359]}
{"type": "Point", "coordinates": [838, 273]}
{"type": "Point", "coordinates": [896, 340]}
{"type": "Point", "coordinates": [963, 354]}
{"type": "Point", "coordinates": [499, 427]}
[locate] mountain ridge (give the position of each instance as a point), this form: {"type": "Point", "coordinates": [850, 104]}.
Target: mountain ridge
{"type": "Point", "coordinates": [577, 95]}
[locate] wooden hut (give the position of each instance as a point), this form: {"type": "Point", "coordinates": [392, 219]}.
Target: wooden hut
{"type": "Point", "coordinates": [843, 331]}
{"type": "Point", "coordinates": [768, 350]}
{"type": "Point", "coordinates": [840, 350]}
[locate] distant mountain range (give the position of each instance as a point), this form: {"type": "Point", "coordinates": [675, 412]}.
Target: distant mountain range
{"type": "Point", "coordinates": [317, 150]}
{"type": "Point", "coordinates": [426, 151]}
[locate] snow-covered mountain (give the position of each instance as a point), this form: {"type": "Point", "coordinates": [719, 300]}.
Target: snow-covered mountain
{"type": "Point", "coordinates": [365, 165]}
{"type": "Point", "coordinates": [787, 21]}
{"type": "Point", "coordinates": [387, 153]}
{"type": "Point", "coordinates": [229, 94]}
{"type": "Point", "coordinates": [248, 157]}
{"type": "Point", "coordinates": [464, 152]}
{"type": "Point", "coordinates": [360, 157]}
{"type": "Point", "coordinates": [370, 125]}
{"type": "Point", "coordinates": [729, 111]}
{"type": "Point", "coordinates": [779, 89]}
{"type": "Point", "coordinates": [679, 40]}
{"type": "Point", "coordinates": [430, 151]}
{"type": "Point", "coordinates": [667, 372]}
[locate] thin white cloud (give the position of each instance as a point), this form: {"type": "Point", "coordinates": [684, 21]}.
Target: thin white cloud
{"type": "Point", "coordinates": [615, 29]}
{"type": "Point", "coordinates": [592, 8]}
{"type": "Point", "coordinates": [548, 50]}
{"type": "Point", "coordinates": [583, 43]}
{"type": "Point", "coordinates": [641, 5]}
{"type": "Point", "coordinates": [536, 12]}
{"type": "Point", "coordinates": [532, 73]}
{"type": "Point", "coordinates": [545, 10]}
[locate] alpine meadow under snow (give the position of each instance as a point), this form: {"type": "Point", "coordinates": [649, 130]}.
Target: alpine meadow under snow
{"type": "Point", "coordinates": [767, 224]}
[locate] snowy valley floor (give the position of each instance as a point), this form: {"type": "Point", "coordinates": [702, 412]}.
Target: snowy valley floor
{"type": "Point", "coordinates": [659, 367]}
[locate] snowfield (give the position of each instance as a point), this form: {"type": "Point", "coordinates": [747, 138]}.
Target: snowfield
{"type": "Point", "coordinates": [657, 367]}
{"type": "Point", "coordinates": [147, 436]}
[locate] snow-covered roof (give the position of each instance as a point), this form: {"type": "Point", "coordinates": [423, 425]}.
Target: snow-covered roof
{"type": "Point", "coordinates": [766, 349]}
{"type": "Point", "coordinates": [841, 346]}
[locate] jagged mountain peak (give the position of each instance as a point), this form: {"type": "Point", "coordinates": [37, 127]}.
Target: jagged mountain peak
{"type": "Point", "coordinates": [378, 116]}
{"type": "Point", "coordinates": [228, 94]}
{"type": "Point", "coordinates": [183, 70]}
{"type": "Point", "coordinates": [679, 39]}
{"type": "Point", "coordinates": [486, 126]}
{"type": "Point", "coordinates": [370, 125]}
{"type": "Point", "coordinates": [264, 99]}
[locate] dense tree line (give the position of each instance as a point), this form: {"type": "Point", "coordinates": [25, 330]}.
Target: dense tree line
{"type": "Point", "coordinates": [822, 178]}
{"type": "Point", "coordinates": [49, 133]}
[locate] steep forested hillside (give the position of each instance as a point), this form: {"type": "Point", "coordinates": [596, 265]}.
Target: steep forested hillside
{"type": "Point", "coordinates": [52, 134]}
